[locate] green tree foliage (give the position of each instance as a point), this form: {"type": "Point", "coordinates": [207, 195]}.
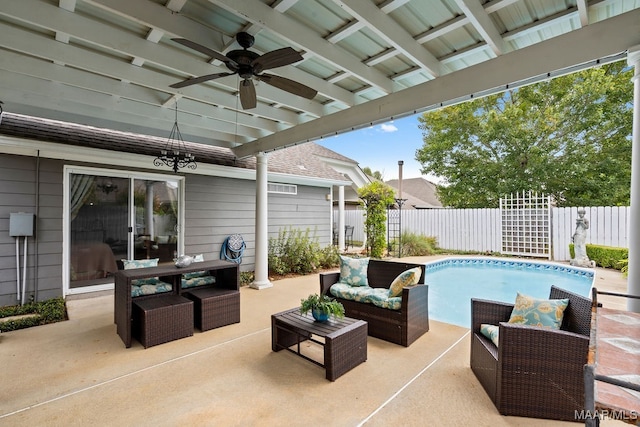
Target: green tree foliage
{"type": "Point", "coordinates": [569, 137]}
{"type": "Point", "coordinates": [376, 174]}
{"type": "Point", "coordinates": [376, 196]}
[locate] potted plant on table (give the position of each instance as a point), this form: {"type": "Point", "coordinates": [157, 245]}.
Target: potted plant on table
{"type": "Point", "coordinates": [321, 307]}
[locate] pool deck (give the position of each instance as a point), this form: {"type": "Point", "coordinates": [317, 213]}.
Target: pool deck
{"type": "Point", "coordinates": [78, 372]}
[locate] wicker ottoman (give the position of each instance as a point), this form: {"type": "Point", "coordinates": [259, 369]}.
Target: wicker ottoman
{"type": "Point", "coordinates": [162, 319]}
{"type": "Point", "coordinates": [215, 307]}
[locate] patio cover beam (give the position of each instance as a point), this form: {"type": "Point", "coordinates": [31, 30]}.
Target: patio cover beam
{"type": "Point", "coordinates": [595, 41]}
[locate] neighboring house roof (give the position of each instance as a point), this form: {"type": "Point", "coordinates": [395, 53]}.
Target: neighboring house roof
{"type": "Point", "coordinates": [300, 160]}
{"type": "Point", "coordinates": [305, 160]}
{"type": "Point", "coordinates": [419, 192]}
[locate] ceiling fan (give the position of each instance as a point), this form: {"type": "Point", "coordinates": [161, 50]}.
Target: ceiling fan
{"type": "Point", "coordinates": [248, 64]}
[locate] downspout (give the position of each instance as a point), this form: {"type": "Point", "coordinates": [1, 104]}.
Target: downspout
{"type": "Point", "coordinates": [35, 234]}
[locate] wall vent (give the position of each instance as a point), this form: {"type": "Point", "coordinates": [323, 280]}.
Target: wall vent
{"type": "Point", "coordinates": [278, 188]}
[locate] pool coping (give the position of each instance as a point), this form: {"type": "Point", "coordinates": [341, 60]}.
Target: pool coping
{"type": "Point", "coordinates": [509, 263]}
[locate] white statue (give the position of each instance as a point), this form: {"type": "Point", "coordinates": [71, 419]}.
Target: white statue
{"type": "Point", "coordinates": [579, 240]}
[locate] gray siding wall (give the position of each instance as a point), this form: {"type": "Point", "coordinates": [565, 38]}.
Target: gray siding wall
{"type": "Point", "coordinates": [18, 186]}
{"type": "Point", "coordinates": [216, 207]}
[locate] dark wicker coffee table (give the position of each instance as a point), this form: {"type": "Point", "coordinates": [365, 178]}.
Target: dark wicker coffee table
{"type": "Point", "coordinates": [345, 340]}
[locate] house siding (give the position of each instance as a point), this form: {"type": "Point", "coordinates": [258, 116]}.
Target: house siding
{"type": "Point", "coordinates": [18, 175]}
{"type": "Point", "coordinates": [215, 207]}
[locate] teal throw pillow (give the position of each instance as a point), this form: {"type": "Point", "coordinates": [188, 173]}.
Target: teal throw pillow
{"type": "Point", "coordinates": [490, 331]}
{"type": "Point", "coordinates": [406, 278]}
{"type": "Point", "coordinates": [538, 312]}
{"type": "Point", "coordinates": [353, 271]}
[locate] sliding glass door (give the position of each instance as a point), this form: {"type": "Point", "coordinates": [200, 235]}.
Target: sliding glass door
{"type": "Point", "coordinates": [156, 219]}
{"type": "Point", "coordinates": [111, 218]}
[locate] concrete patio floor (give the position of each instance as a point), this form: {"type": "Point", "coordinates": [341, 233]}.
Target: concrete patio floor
{"type": "Point", "coordinates": [78, 372]}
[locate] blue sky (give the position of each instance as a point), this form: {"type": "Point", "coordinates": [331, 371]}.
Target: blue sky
{"type": "Point", "coordinates": [381, 146]}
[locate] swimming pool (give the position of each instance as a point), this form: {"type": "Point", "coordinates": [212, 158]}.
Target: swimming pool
{"type": "Point", "coordinates": [454, 281]}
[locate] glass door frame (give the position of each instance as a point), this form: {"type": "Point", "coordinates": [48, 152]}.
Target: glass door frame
{"type": "Point", "coordinates": [68, 170]}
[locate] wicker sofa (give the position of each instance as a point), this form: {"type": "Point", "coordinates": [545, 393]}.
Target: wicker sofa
{"type": "Point", "coordinates": [533, 372]}
{"type": "Point", "coordinates": [402, 326]}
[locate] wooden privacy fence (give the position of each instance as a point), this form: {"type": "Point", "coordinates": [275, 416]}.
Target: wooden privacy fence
{"type": "Point", "coordinates": [480, 230]}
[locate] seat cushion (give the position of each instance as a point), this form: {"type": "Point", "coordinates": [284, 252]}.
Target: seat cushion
{"type": "Point", "coordinates": [346, 291]}
{"type": "Point", "coordinates": [490, 331]}
{"type": "Point", "coordinates": [380, 298]}
{"type": "Point", "coordinates": [197, 281]}
{"type": "Point", "coordinates": [195, 274]}
{"type": "Point", "coordinates": [139, 263]}
{"type": "Point", "coordinates": [538, 312]}
{"type": "Point", "coordinates": [149, 286]}
{"type": "Point", "coordinates": [366, 295]}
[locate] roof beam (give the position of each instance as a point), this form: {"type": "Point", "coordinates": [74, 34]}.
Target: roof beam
{"type": "Point", "coordinates": [480, 19]}
{"type": "Point", "coordinates": [96, 33]}
{"type": "Point", "coordinates": [583, 12]}
{"type": "Point", "coordinates": [598, 40]}
{"type": "Point", "coordinates": [131, 115]}
{"type": "Point", "coordinates": [298, 34]}
{"type": "Point", "coordinates": [159, 17]}
{"type": "Point", "coordinates": [389, 30]}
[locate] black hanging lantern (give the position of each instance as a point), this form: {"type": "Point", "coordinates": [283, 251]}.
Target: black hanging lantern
{"type": "Point", "coordinates": [175, 153]}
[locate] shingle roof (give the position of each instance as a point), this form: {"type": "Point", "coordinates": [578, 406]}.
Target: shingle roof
{"type": "Point", "coordinates": [421, 189]}
{"type": "Point", "coordinates": [300, 160]}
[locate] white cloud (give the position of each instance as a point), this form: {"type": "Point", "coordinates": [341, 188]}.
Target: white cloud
{"type": "Point", "coordinates": [388, 127]}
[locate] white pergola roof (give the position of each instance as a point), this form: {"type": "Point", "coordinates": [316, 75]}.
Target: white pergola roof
{"type": "Point", "coordinates": [109, 63]}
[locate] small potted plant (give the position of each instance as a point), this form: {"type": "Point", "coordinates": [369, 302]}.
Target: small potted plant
{"type": "Point", "coordinates": [321, 307]}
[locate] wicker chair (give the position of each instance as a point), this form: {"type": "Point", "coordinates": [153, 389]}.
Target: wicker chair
{"type": "Point", "coordinates": [534, 372]}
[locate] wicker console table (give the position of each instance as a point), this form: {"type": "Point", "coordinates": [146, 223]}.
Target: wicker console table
{"type": "Point", "coordinates": [345, 340]}
{"type": "Point", "coordinates": [226, 273]}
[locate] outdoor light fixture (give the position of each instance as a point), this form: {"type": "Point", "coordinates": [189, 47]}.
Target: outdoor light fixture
{"type": "Point", "coordinates": [175, 153]}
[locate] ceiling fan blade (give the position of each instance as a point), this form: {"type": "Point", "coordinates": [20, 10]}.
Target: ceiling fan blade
{"type": "Point", "coordinates": [203, 49]}
{"type": "Point", "coordinates": [201, 79]}
{"type": "Point", "coordinates": [276, 58]}
{"type": "Point", "coordinates": [288, 85]}
{"type": "Point", "coordinates": [247, 94]}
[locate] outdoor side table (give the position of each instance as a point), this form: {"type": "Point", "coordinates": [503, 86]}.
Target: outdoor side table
{"type": "Point", "coordinates": [345, 339]}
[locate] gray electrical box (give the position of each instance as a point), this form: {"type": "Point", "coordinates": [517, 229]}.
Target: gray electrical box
{"type": "Point", "coordinates": [21, 224]}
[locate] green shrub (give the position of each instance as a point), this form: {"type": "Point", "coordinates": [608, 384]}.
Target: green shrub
{"type": "Point", "coordinates": [246, 278]}
{"type": "Point", "coordinates": [298, 252]}
{"type": "Point", "coordinates": [624, 266]}
{"type": "Point", "coordinates": [416, 244]}
{"type": "Point", "coordinates": [49, 311]}
{"type": "Point", "coordinates": [604, 256]}
{"type": "Point", "coordinates": [329, 257]}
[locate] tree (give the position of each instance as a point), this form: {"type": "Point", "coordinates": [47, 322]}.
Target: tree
{"type": "Point", "coordinates": [376, 174]}
{"type": "Point", "coordinates": [569, 137]}
{"type": "Point", "coordinates": [376, 196]}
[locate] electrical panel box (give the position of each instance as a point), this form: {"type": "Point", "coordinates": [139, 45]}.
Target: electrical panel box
{"type": "Point", "coordinates": [21, 224]}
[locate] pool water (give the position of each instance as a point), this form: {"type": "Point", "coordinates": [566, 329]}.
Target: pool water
{"type": "Point", "coordinates": [453, 282]}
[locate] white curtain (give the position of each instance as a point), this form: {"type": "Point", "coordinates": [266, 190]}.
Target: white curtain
{"type": "Point", "coordinates": [82, 186]}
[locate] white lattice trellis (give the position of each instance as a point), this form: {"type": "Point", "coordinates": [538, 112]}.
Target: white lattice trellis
{"type": "Point", "coordinates": [526, 225]}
